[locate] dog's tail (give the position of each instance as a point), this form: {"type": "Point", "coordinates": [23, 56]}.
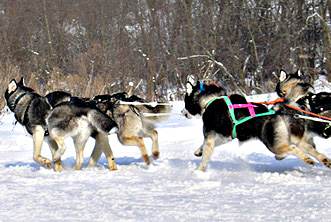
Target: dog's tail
{"type": "Point", "coordinates": [100, 121]}
{"type": "Point", "coordinates": [158, 110]}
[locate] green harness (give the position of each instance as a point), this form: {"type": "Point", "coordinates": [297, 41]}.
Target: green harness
{"type": "Point", "coordinates": [235, 121]}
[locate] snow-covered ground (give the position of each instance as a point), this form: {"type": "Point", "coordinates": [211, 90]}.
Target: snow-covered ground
{"type": "Point", "coordinates": [242, 183]}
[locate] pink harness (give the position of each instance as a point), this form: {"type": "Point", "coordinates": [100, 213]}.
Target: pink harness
{"type": "Point", "coordinates": [249, 106]}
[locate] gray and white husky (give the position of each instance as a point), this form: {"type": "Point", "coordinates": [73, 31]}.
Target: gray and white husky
{"type": "Point", "coordinates": [292, 87]}
{"type": "Point", "coordinates": [280, 132]}
{"type": "Point", "coordinates": [53, 118]}
{"type": "Point", "coordinates": [297, 92]}
{"type": "Point", "coordinates": [132, 122]}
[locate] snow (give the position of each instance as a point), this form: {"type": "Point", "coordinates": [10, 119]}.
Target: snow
{"type": "Point", "coordinates": [242, 183]}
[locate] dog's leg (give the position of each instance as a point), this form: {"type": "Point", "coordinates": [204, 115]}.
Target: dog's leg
{"type": "Point", "coordinates": [96, 153]}
{"type": "Point", "coordinates": [136, 141]}
{"type": "Point", "coordinates": [103, 142]}
{"type": "Point", "coordinates": [153, 134]}
{"type": "Point", "coordinates": [285, 150]}
{"type": "Point", "coordinates": [80, 142]}
{"type": "Point", "coordinates": [62, 147]}
{"type": "Point", "coordinates": [208, 148]}
{"type": "Point", "coordinates": [309, 149]}
{"type": "Point", "coordinates": [38, 138]}
{"type": "Point", "coordinates": [218, 141]}
{"type": "Point", "coordinates": [53, 146]}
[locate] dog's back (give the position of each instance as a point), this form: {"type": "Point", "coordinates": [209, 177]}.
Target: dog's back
{"type": "Point", "coordinates": [67, 116]}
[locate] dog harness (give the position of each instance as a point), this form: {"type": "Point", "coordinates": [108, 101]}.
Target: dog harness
{"type": "Point", "coordinates": [18, 98]}
{"type": "Point", "coordinates": [231, 108]}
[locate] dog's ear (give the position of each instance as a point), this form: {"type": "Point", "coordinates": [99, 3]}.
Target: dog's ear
{"type": "Point", "coordinates": [283, 75]}
{"type": "Point", "coordinates": [22, 82]}
{"type": "Point", "coordinates": [189, 88]}
{"type": "Point", "coordinates": [299, 73]}
{"type": "Point", "coordinates": [191, 79]}
{"type": "Point", "coordinates": [12, 86]}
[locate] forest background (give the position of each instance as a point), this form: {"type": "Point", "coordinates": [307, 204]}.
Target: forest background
{"type": "Point", "coordinates": [96, 47]}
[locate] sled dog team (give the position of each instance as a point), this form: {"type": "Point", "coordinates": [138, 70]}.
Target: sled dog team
{"type": "Point", "coordinates": [58, 115]}
{"type": "Point", "coordinates": [287, 128]}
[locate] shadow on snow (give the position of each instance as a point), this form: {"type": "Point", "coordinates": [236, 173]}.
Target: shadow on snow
{"type": "Point", "coordinates": [258, 163]}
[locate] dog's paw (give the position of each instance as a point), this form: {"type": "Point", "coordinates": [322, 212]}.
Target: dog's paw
{"type": "Point", "coordinates": [146, 159]}
{"type": "Point", "coordinates": [112, 165]}
{"type": "Point", "coordinates": [279, 157]}
{"type": "Point", "coordinates": [309, 161]}
{"type": "Point", "coordinates": [198, 153]}
{"type": "Point", "coordinates": [112, 168]}
{"type": "Point", "coordinates": [326, 162]}
{"type": "Point", "coordinates": [202, 168]}
{"type": "Point", "coordinates": [58, 166]}
{"type": "Point", "coordinates": [156, 155]}
{"type": "Point", "coordinates": [47, 163]}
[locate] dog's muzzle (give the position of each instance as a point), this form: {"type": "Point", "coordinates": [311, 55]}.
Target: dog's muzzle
{"type": "Point", "coordinates": [187, 114]}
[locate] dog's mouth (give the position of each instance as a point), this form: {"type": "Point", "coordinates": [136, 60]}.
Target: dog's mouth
{"type": "Point", "coordinates": [187, 114]}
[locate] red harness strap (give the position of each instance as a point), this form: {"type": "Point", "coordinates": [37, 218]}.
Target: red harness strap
{"type": "Point", "coordinates": [310, 113]}
{"type": "Point", "coordinates": [279, 100]}
{"type": "Point", "coordinates": [293, 107]}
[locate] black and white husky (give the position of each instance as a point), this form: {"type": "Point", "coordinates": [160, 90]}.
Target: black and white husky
{"type": "Point", "coordinates": [281, 133]}
{"type": "Point", "coordinates": [31, 110]}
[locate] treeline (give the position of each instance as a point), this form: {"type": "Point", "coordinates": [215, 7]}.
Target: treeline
{"type": "Point", "coordinates": [92, 47]}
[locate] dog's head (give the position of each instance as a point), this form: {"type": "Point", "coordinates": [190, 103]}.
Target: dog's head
{"type": "Point", "coordinates": [197, 94]}
{"type": "Point", "coordinates": [57, 97]}
{"type": "Point", "coordinates": [292, 86]}
{"type": "Point", "coordinates": [192, 107]}
{"type": "Point", "coordinates": [286, 81]}
{"type": "Point", "coordinates": [107, 102]}
{"type": "Point", "coordinates": [14, 91]}
{"type": "Point", "coordinates": [102, 102]}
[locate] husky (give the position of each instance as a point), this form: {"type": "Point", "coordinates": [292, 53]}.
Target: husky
{"type": "Point", "coordinates": [131, 121]}
{"type": "Point", "coordinates": [80, 120]}
{"type": "Point", "coordinates": [292, 87]}
{"type": "Point", "coordinates": [31, 111]}
{"type": "Point", "coordinates": [302, 95]}
{"type": "Point", "coordinates": [280, 133]}
{"type": "Point", "coordinates": [56, 116]}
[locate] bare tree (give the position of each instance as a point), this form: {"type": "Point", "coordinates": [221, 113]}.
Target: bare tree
{"type": "Point", "coordinates": [101, 46]}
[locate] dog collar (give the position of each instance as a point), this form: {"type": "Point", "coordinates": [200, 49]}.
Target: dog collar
{"type": "Point", "coordinates": [18, 99]}
{"type": "Point", "coordinates": [201, 87]}
{"type": "Point", "coordinates": [287, 88]}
